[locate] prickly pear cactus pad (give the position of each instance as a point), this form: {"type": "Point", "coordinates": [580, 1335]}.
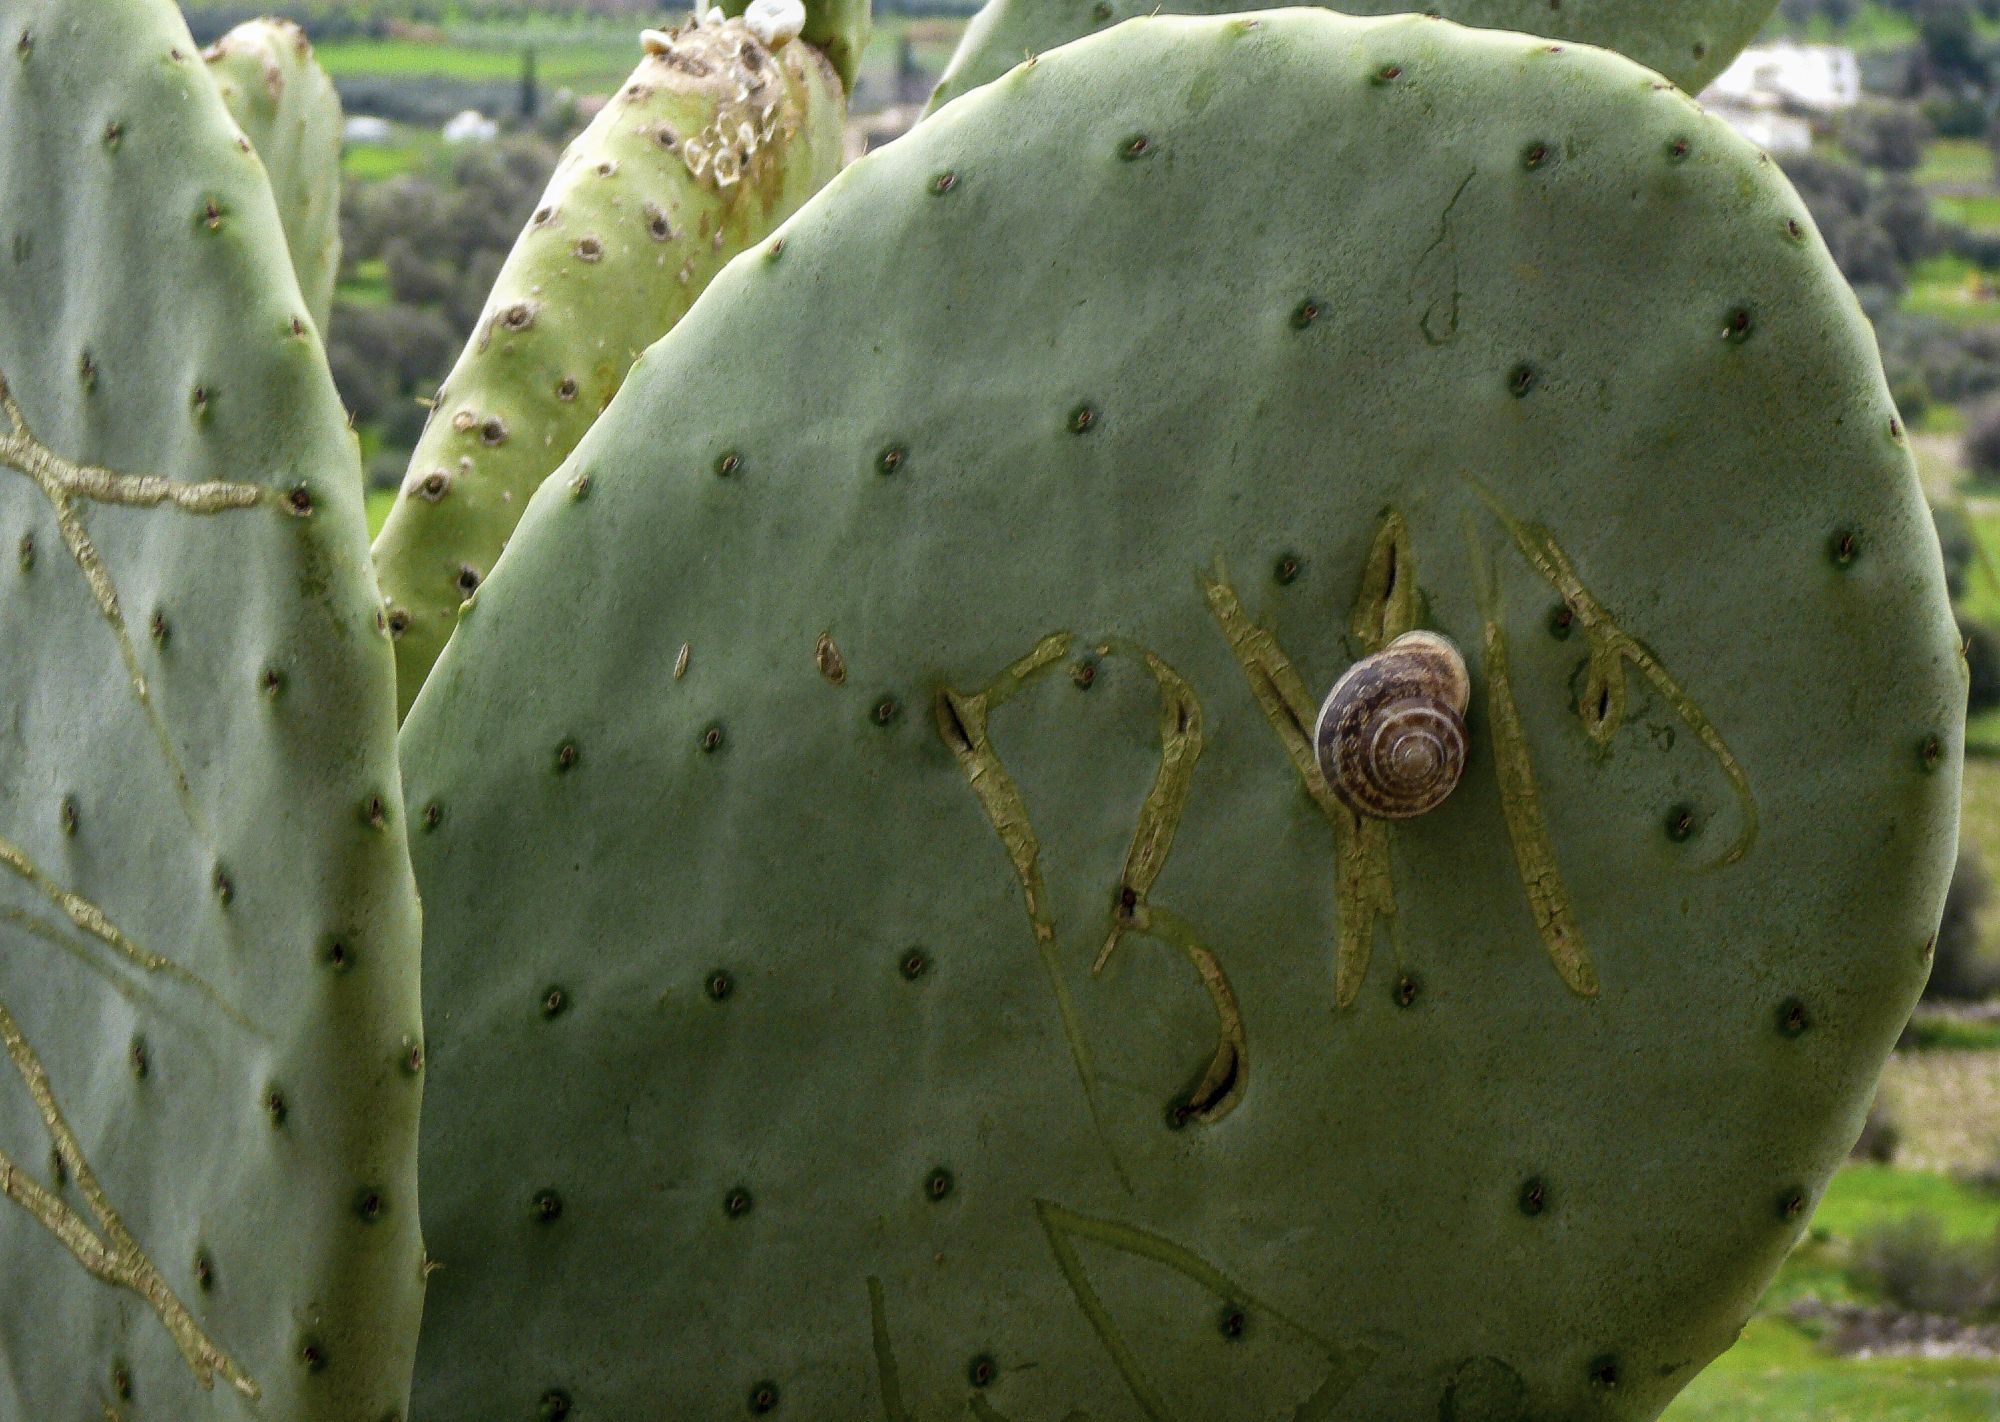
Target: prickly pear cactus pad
{"type": "Point", "coordinates": [286, 106]}
{"type": "Point", "coordinates": [717, 137]}
{"type": "Point", "coordinates": [208, 928]}
{"type": "Point", "coordinates": [892, 952]}
{"type": "Point", "coordinates": [1689, 41]}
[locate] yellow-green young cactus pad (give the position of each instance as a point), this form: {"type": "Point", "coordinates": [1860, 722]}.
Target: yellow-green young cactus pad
{"type": "Point", "coordinates": [208, 926]}
{"type": "Point", "coordinates": [892, 951]}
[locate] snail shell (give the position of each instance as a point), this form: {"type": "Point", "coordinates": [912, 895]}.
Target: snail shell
{"type": "Point", "coordinates": [1391, 736]}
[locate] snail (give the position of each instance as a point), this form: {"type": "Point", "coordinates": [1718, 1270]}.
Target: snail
{"type": "Point", "coordinates": [1391, 735]}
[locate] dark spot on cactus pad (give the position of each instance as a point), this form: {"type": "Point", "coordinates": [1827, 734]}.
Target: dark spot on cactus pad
{"type": "Point", "coordinates": [1232, 1323]}
{"type": "Point", "coordinates": [1895, 428]}
{"type": "Point", "coordinates": [204, 1271]}
{"type": "Point", "coordinates": [467, 580]}
{"type": "Point", "coordinates": [1677, 149]}
{"type": "Point", "coordinates": [141, 1062]}
{"type": "Point", "coordinates": [1534, 1196]}
{"type": "Point", "coordinates": [891, 459]}
{"type": "Point", "coordinates": [1930, 753]}
{"type": "Point", "coordinates": [1562, 620]}
{"type": "Point", "coordinates": [1387, 74]}
{"type": "Point", "coordinates": [1082, 419]}
{"type": "Point", "coordinates": [518, 317]}
{"type": "Point", "coordinates": [338, 956]}
{"type": "Point", "coordinates": [711, 739]}
{"type": "Point", "coordinates": [1736, 325]}
{"type": "Point", "coordinates": [493, 431]}
{"type": "Point", "coordinates": [433, 815]}
{"type": "Point", "coordinates": [198, 402]}
{"type": "Point", "coordinates": [275, 1107]}
{"type": "Point", "coordinates": [1406, 991]}
{"type": "Point", "coordinates": [1520, 380]}
{"type": "Point", "coordinates": [915, 964]}
{"type": "Point", "coordinates": [543, 216]}
{"type": "Point", "coordinates": [1286, 570]}
{"type": "Point", "coordinates": [938, 1184]}
{"type": "Point", "coordinates": [399, 622]}
{"type": "Point", "coordinates": [312, 1355]}
{"type": "Point", "coordinates": [67, 816]}
{"type": "Point", "coordinates": [554, 1406]}
{"type": "Point", "coordinates": [58, 1168]}
{"type": "Point", "coordinates": [157, 627]}
{"type": "Point", "coordinates": [566, 389]}
{"type": "Point", "coordinates": [1084, 674]}
{"type": "Point", "coordinates": [589, 249]}
{"type": "Point", "coordinates": [1137, 146]}
{"type": "Point", "coordinates": [299, 500]}
{"type": "Point", "coordinates": [25, 552]}
{"type": "Point", "coordinates": [86, 371]}
{"type": "Point", "coordinates": [411, 1058]}
{"type": "Point", "coordinates": [775, 250]}
{"type": "Point", "coordinates": [606, 168]}
{"type": "Point", "coordinates": [764, 1398]}
{"type": "Point", "coordinates": [944, 183]}
{"type": "Point", "coordinates": [298, 326]}
{"type": "Point", "coordinates": [886, 711]}
{"type": "Point", "coordinates": [1603, 1372]}
{"type": "Point", "coordinates": [719, 985]}
{"type": "Point", "coordinates": [1700, 50]}
{"type": "Point", "coordinates": [1792, 1018]}
{"type": "Point", "coordinates": [657, 224]}
{"type": "Point", "coordinates": [566, 757]}
{"type": "Point", "coordinates": [1792, 1204]}
{"type": "Point", "coordinates": [548, 1207]}
{"type": "Point", "coordinates": [1794, 229]}
{"type": "Point", "coordinates": [121, 1381]}
{"type": "Point", "coordinates": [1100, 12]}
{"type": "Point", "coordinates": [433, 486]}
{"type": "Point", "coordinates": [982, 1370]}
{"type": "Point", "coordinates": [1179, 1112]}
{"type": "Point", "coordinates": [370, 1205]}
{"type": "Point", "coordinates": [212, 214]}
{"type": "Point", "coordinates": [114, 133]}
{"type": "Point", "coordinates": [737, 1203]}
{"type": "Point", "coordinates": [728, 465]}
{"type": "Point", "coordinates": [1843, 547]}
{"type": "Point", "coordinates": [555, 1002]}
{"type": "Point", "coordinates": [224, 886]}
{"type": "Point", "coordinates": [1681, 823]}
{"type": "Point", "coordinates": [271, 681]}
{"type": "Point", "coordinates": [579, 488]}
{"type": "Point", "coordinates": [1304, 314]}
{"type": "Point", "coordinates": [1534, 155]}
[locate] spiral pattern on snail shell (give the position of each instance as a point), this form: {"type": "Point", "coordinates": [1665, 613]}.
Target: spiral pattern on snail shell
{"type": "Point", "coordinates": [1391, 736]}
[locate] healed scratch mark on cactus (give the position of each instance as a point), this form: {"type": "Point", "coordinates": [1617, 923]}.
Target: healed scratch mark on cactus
{"type": "Point", "coordinates": [1347, 1363]}
{"type": "Point", "coordinates": [1520, 806]}
{"type": "Point", "coordinates": [886, 1375]}
{"type": "Point", "coordinates": [1227, 1077]}
{"type": "Point", "coordinates": [55, 937]}
{"type": "Point", "coordinates": [1440, 261]}
{"type": "Point", "coordinates": [1364, 888]}
{"type": "Point", "coordinates": [114, 1256]}
{"type": "Point", "coordinates": [94, 922]}
{"type": "Point", "coordinates": [1601, 706]}
{"type": "Point", "coordinates": [962, 722]}
{"type": "Point", "coordinates": [64, 484]}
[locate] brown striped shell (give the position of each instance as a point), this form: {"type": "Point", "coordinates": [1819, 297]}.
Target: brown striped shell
{"type": "Point", "coordinates": [1391, 735]}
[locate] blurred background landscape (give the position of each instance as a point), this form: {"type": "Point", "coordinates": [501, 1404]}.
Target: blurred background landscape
{"type": "Point", "coordinates": [1886, 117]}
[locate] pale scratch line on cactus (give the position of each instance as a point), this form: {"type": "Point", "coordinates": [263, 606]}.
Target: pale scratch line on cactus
{"type": "Point", "coordinates": [962, 722]}
{"type": "Point", "coordinates": [1347, 1363]}
{"type": "Point", "coordinates": [49, 933]}
{"type": "Point", "coordinates": [1520, 806]}
{"type": "Point", "coordinates": [63, 482]}
{"type": "Point", "coordinates": [114, 1257]}
{"type": "Point", "coordinates": [886, 1374]}
{"type": "Point", "coordinates": [1601, 707]}
{"type": "Point", "coordinates": [93, 921]}
{"type": "Point", "coordinates": [1227, 1077]}
{"type": "Point", "coordinates": [1364, 889]}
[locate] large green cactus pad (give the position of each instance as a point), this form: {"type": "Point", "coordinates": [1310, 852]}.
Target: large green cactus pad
{"type": "Point", "coordinates": [286, 106]}
{"type": "Point", "coordinates": [208, 928]}
{"type": "Point", "coordinates": [1689, 41]}
{"type": "Point", "coordinates": [714, 140]}
{"type": "Point", "coordinates": [889, 952]}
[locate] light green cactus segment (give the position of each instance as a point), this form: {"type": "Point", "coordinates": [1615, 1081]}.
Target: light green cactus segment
{"type": "Point", "coordinates": [839, 29]}
{"type": "Point", "coordinates": [714, 140]}
{"type": "Point", "coordinates": [886, 931]}
{"type": "Point", "coordinates": [1689, 41]}
{"type": "Point", "coordinates": [210, 1050]}
{"type": "Point", "coordinates": [287, 108]}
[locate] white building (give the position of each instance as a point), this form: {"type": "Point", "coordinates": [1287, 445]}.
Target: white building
{"type": "Point", "coordinates": [367, 129]}
{"type": "Point", "coordinates": [470, 126]}
{"type": "Point", "coordinates": [1819, 78]}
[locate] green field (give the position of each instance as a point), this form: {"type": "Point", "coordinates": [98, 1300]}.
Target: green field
{"type": "Point", "coordinates": [1955, 162]}
{"type": "Point", "coordinates": [587, 59]}
{"type": "Point", "coordinates": [1979, 211]}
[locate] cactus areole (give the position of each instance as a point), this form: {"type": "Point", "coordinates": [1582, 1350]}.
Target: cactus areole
{"type": "Point", "coordinates": [892, 947]}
